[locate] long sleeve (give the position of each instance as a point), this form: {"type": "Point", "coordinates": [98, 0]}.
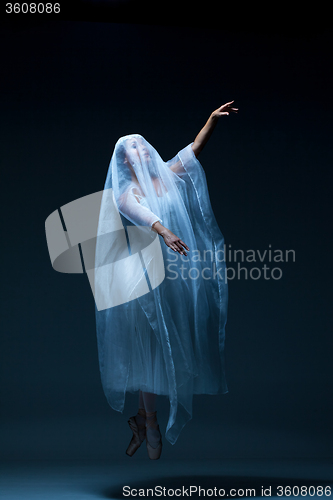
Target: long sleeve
{"type": "Point", "coordinates": [184, 160]}
{"type": "Point", "coordinates": [136, 212]}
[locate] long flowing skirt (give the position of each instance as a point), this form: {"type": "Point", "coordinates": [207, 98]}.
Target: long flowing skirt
{"type": "Point", "coordinates": [170, 341]}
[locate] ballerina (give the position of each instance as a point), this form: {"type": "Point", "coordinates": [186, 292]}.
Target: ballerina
{"type": "Point", "coordinates": [170, 340]}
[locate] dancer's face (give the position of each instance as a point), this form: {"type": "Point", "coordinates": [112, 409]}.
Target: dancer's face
{"type": "Point", "coordinates": [135, 150]}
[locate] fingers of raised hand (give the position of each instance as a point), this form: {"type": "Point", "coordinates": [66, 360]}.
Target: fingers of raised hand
{"type": "Point", "coordinates": [226, 108]}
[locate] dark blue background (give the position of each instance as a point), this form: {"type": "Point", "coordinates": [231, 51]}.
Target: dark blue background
{"type": "Point", "coordinates": [69, 90]}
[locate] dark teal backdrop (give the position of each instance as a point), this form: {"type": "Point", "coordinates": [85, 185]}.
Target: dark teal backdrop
{"type": "Point", "coordinates": [69, 90]}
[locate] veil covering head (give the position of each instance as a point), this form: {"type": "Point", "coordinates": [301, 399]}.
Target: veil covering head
{"type": "Point", "coordinates": [167, 335]}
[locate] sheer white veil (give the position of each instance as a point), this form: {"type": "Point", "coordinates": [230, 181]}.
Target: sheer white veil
{"type": "Point", "coordinates": [167, 335]}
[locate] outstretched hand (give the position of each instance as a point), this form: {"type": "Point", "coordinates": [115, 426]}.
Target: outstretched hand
{"type": "Point", "coordinates": [172, 241]}
{"type": "Point", "coordinates": [225, 110]}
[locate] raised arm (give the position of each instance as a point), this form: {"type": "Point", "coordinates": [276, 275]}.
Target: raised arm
{"type": "Point", "coordinates": [205, 133]}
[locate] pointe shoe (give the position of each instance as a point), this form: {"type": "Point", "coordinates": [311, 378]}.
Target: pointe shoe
{"type": "Point", "coordinates": [139, 433]}
{"type": "Point", "coordinates": [153, 453]}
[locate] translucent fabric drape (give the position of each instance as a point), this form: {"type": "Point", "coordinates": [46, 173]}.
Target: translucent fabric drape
{"type": "Point", "coordinates": [169, 340]}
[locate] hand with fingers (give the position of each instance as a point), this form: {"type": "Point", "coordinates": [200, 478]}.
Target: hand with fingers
{"type": "Point", "coordinates": [172, 241]}
{"type": "Point", "coordinates": [207, 130]}
{"type": "Point", "coordinates": [225, 110]}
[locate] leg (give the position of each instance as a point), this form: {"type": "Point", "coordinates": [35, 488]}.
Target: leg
{"type": "Point", "coordinates": [138, 426]}
{"type": "Point", "coordinates": [141, 402]}
{"type": "Point", "coordinates": [149, 399]}
{"type": "Point", "coordinates": [152, 430]}
{"type": "Point", "coordinates": [146, 404]}
{"type": "Point", "coordinates": [141, 415]}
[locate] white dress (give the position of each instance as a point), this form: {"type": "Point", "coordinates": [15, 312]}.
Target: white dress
{"type": "Point", "coordinates": [169, 341]}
